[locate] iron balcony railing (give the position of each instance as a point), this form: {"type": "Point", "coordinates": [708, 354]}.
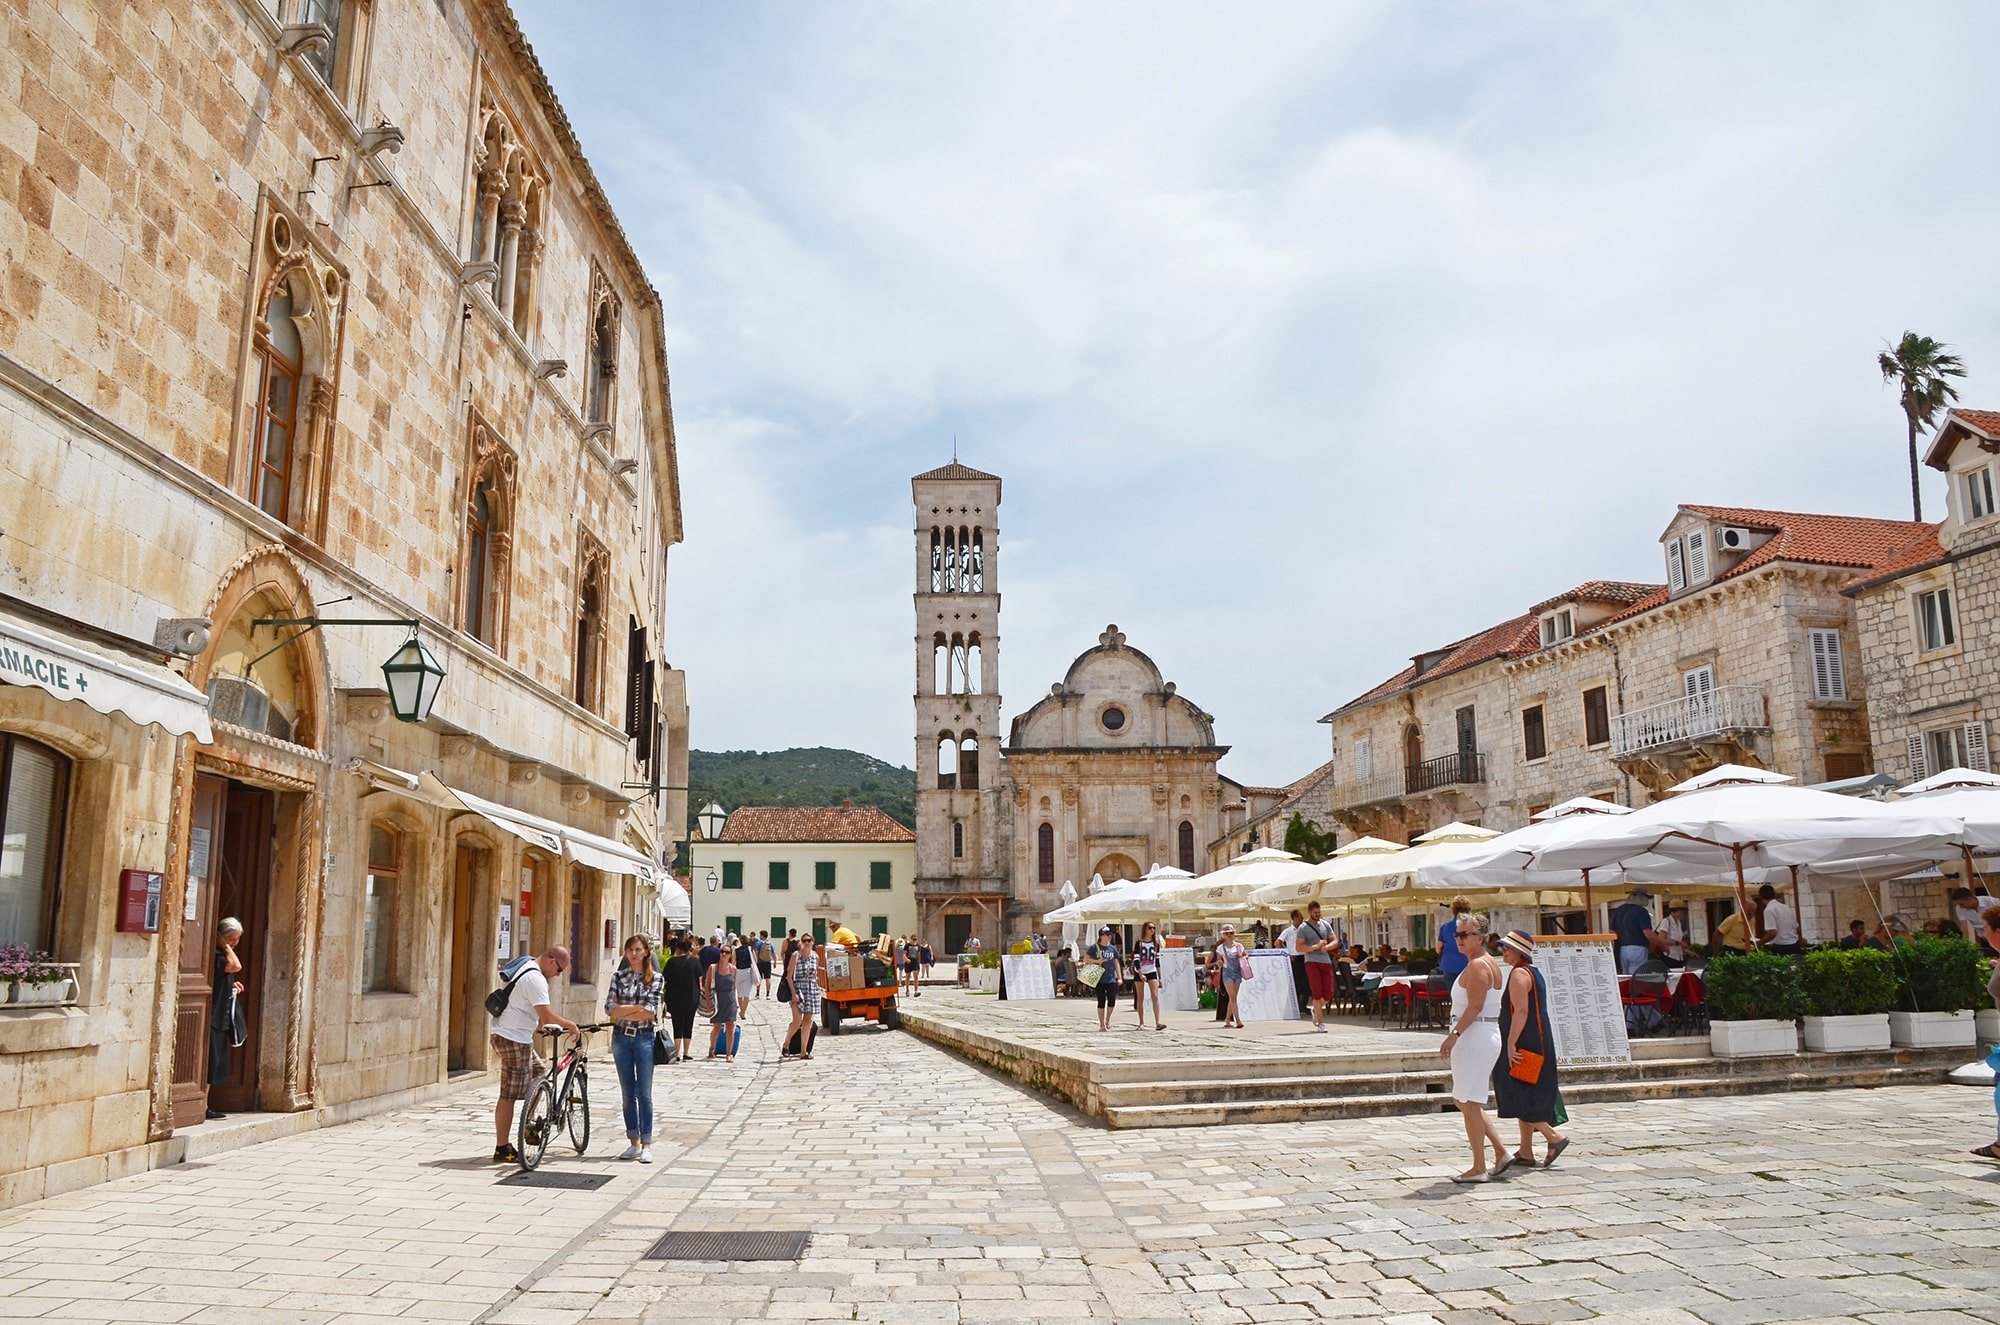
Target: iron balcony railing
{"type": "Point", "coordinates": [1723, 709]}
{"type": "Point", "coordinates": [1465, 766]}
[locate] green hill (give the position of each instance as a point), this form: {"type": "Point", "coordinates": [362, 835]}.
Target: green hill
{"type": "Point", "coordinates": [818, 776]}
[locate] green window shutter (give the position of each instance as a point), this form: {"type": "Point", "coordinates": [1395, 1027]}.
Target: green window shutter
{"type": "Point", "coordinates": [781, 874]}
{"type": "Point", "coordinates": [732, 924]}
{"type": "Point", "coordinates": [878, 874]}
{"type": "Point", "coordinates": [823, 875]}
{"type": "Point", "coordinates": [778, 928]}
{"type": "Point", "coordinates": [732, 874]}
{"type": "Point", "coordinates": [878, 926]}
{"type": "Point", "coordinates": [819, 929]}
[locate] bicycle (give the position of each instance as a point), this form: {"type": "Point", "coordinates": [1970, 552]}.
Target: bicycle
{"type": "Point", "coordinates": [560, 1100]}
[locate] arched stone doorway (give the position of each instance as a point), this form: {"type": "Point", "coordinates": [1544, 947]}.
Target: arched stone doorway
{"type": "Point", "coordinates": [1117, 866]}
{"type": "Point", "coordinates": [248, 842]}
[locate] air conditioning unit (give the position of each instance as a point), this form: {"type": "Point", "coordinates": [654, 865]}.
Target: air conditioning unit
{"type": "Point", "coordinates": [241, 702]}
{"type": "Point", "coordinates": [1735, 538]}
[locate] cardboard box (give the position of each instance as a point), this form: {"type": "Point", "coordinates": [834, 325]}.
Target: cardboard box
{"type": "Point", "coordinates": [843, 968]}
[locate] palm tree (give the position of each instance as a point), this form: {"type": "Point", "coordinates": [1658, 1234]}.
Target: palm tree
{"type": "Point", "coordinates": [1919, 366]}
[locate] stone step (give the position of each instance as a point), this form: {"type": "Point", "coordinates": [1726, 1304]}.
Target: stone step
{"type": "Point", "coordinates": [1420, 1061]}
{"type": "Point", "coordinates": [1709, 1077]}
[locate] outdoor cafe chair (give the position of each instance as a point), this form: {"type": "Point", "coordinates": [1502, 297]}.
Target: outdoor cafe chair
{"type": "Point", "coordinates": [1649, 990]}
{"type": "Point", "coordinates": [1429, 999]}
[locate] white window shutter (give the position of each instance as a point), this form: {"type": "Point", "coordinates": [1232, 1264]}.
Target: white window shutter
{"type": "Point", "coordinates": [1676, 571]}
{"type": "Point", "coordinates": [1975, 747]}
{"type": "Point", "coordinates": [1829, 675]}
{"type": "Point", "coordinates": [1919, 766]}
{"type": "Point", "coordinates": [1699, 682]}
{"type": "Point", "coordinates": [1697, 561]}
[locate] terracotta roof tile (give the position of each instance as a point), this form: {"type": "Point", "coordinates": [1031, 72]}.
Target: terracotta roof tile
{"type": "Point", "coordinates": [813, 823]}
{"type": "Point", "coordinates": [1601, 591]}
{"type": "Point", "coordinates": [1823, 540]}
{"type": "Point", "coordinates": [1922, 552]}
{"type": "Point", "coordinates": [1300, 786]}
{"type": "Point", "coordinates": [1981, 424]}
{"type": "Point", "coordinates": [1509, 639]}
{"type": "Point", "coordinates": [1985, 420]}
{"type": "Point", "coordinates": [955, 470]}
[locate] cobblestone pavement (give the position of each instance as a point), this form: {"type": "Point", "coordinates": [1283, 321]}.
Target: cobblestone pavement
{"type": "Point", "coordinates": [937, 1194]}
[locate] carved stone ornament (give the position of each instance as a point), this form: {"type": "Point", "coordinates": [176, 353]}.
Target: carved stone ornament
{"type": "Point", "coordinates": [1069, 795]}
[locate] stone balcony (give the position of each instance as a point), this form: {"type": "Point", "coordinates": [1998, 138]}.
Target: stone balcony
{"type": "Point", "coordinates": [1717, 714]}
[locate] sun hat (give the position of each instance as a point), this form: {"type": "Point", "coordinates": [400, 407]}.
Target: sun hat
{"type": "Point", "coordinates": [1520, 941]}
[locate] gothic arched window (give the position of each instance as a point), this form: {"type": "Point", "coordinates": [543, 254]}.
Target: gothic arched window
{"type": "Point", "coordinates": [957, 840]}
{"type": "Point", "coordinates": [485, 557]}
{"type": "Point", "coordinates": [937, 562]}
{"type": "Point", "coordinates": [603, 362]}
{"type": "Point", "coordinates": [947, 762]}
{"type": "Point", "coordinates": [274, 439]}
{"type": "Point", "coordinates": [1187, 846]}
{"type": "Point", "coordinates": [978, 561]}
{"type": "Point", "coordinates": [591, 591]}
{"type": "Point", "coordinates": [1045, 854]}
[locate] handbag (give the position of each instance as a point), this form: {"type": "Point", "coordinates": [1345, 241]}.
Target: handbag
{"type": "Point", "coordinates": [663, 1048]}
{"type": "Point", "coordinates": [707, 1007]}
{"type": "Point", "coordinates": [1091, 974]}
{"type": "Point", "coordinates": [785, 989]}
{"type": "Point", "coordinates": [1526, 1067]}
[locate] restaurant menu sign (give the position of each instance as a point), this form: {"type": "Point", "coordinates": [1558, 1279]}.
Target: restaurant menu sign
{"type": "Point", "coordinates": [1585, 1009]}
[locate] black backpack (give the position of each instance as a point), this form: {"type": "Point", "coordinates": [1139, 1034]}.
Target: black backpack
{"type": "Point", "coordinates": [496, 1002]}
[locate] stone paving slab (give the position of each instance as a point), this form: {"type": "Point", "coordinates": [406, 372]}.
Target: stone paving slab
{"type": "Point", "coordinates": [939, 1194]}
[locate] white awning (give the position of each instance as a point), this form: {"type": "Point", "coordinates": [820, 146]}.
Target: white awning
{"type": "Point", "coordinates": [34, 655]}
{"type": "Point", "coordinates": [672, 900]}
{"type": "Point", "coordinates": [558, 839]}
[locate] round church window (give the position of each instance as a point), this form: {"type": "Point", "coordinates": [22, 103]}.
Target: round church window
{"type": "Point", "coordinates": [1113, 719]}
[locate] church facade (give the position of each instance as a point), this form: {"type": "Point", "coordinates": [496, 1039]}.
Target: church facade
{"type": "Point", "coordinates": [1111, 771]}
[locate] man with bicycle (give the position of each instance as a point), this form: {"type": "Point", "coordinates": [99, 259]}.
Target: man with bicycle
{"type": "Point", "coordinates": [513, 1043]}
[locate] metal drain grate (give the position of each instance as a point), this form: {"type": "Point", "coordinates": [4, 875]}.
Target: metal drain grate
{"type": "Point", "coordinates": [763, 1244]}
{"type": "Point", "coordinates": [568, 1182]}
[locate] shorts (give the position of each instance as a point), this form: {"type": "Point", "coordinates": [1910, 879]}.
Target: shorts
{"type": "Point", "coordinates": [763, 970]}
{"type": "Point", "coordinates": [1107, 993]}
{"type": "Point", "coordinates": [520, 1069]}
{"type": "Point", "coordinates": [1319, 981]}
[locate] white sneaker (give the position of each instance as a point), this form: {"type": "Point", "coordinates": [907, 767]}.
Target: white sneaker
{"type": "Point", "coordinates": [646, 1155]}
{"type": "Point", "coordinates": [631, 1152]}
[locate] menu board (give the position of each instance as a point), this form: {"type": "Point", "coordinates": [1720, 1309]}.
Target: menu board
{"type": "Point", "coordinates": [1027, 976]}
{"type": "Point", "coordinates": [1268, 995]}
{"type": "Point", "coordinates": [1178, 992]}
{"type": "Point", "coordinates": [1585, 1009]}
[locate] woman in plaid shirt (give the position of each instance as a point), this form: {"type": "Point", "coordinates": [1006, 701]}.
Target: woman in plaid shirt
{"type": "Point", "coordinates": [633, 1005]}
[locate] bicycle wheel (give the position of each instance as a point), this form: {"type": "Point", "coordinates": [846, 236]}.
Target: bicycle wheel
{"type": "Point", "coordinates": [538, 1123]}
{"type": "Point", "coordinates": [578, 1109]}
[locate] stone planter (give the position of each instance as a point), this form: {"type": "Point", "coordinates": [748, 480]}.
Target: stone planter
{"type": "Point", "coordinates": [1847, 1035]}
{"type": "Point", "coordinates": [53, 993]}
{"type": "Point", "coordinates": [1987, 1023]}
{"type": "Point", "coordinates": [986, 980]}
{"type": "Point", "coordinates": [1752, 1039]}
{"type": "Point", "coordinates": [1932, 1030]}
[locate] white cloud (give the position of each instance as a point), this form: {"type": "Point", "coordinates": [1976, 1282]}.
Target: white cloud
{"type": "Point", "coordinates": [1304, 336]}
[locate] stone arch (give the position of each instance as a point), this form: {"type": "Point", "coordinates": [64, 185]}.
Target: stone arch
{"type": "Point", "coordinates": [267, 582]}
{"type": "Point", "coordinates": [315, 290]}
{"type": "Point", "coordinates": [1117, 866]}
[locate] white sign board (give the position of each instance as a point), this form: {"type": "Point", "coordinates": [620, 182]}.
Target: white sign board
{"type": "Point", "coordinates": [1027, 976]}
{"type": "Point", "coordinates": [1585, 1010]}
{"type": "Point", "coordinates": [1178, 990]}
{"type": "Point", "coordinates": [506, 928]}
{"type": "Point", "coordinates": [1268, 995]}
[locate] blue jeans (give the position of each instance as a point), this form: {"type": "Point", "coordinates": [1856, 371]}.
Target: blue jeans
{"type": "Point", "coordinates": [633, 1057]}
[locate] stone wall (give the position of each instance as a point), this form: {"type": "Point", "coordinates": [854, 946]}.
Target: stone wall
{"type": "Point", "coordinates": [162, 171]}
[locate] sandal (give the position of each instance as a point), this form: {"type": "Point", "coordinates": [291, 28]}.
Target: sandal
{"type": "Point", "coordinates": [1988, 1152]}
{"type": "Point", "coordinates": [1554, 1151]}
{"type": "Point", "coordinates": [1526, 1161]}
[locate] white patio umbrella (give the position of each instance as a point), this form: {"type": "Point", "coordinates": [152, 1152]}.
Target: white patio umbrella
{"type": "Point", "coordinates": [1507, 861]}
{"type": "Point", "coordinates": [1140, 899]}
{"type": "Point", "coordinates": [1354, 858]}
{"type": "Point", "coordinates": [1229, 888]}
{"type": "Point", "coordinates": [1972, 798]}
{"type": "Point", "coordinates": [1072, 931]}
{"type": "Point", "coordinates": [1741, 819]}
{"type": "Point", "coordinates": [1393, 878]}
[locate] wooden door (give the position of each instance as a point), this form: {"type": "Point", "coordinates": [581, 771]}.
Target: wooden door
{"type": "Point", "coordinates": [957, 931]}
{"type": "Point", "coordinates": [193, 992]}
{"type": "Point", "coordinates": [462, 885]}
{"type": "Point", "coordinates": [246, 855]}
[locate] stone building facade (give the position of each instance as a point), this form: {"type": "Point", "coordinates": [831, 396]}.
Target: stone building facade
{"type": "Point", "coordinates": [811, 869]}
{"type": "Point", "coordinates": [314, 312]}
{"type": "Point", "coordinates": [1930, 628]}
{"type": "Point", "coordinates": [1110, 773]}
{"type": "Point", "coordinates": [1749, 654]}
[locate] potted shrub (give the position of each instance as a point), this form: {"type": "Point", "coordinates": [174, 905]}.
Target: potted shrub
{"type": "Point", "coordinates": [1849, 992]}
{"type": "Point", "coordinates": [1754, 1003]}
{"type": "Point", "coordinates": [34, 977]}
{"type": "Point", "coordinates": [1939, 987]}
{"type": "Point", "coordinates": [986, 973]}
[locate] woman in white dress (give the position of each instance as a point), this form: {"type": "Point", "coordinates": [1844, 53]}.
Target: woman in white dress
{"type": "Point", "coordinates": [1473, 1046]}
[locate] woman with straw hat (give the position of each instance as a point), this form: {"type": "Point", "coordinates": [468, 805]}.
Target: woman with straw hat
{"type": "Point", "coordinates": [1473, 1047]}
{"type": "Point", "coordinates": [1524, 1080]}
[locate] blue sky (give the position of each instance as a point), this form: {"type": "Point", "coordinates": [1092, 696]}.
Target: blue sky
{"type": "Point", "coordinates": [1305, 336]}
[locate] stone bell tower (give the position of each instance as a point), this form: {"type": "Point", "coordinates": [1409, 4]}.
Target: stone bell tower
{"type": "Point", "coordinates": [963, 823]}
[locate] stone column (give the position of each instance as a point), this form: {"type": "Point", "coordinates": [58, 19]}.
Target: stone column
{"type": "Point", "coordinates": [512, 213]}
{"type": "Point", "coordinates": [492, 183]}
